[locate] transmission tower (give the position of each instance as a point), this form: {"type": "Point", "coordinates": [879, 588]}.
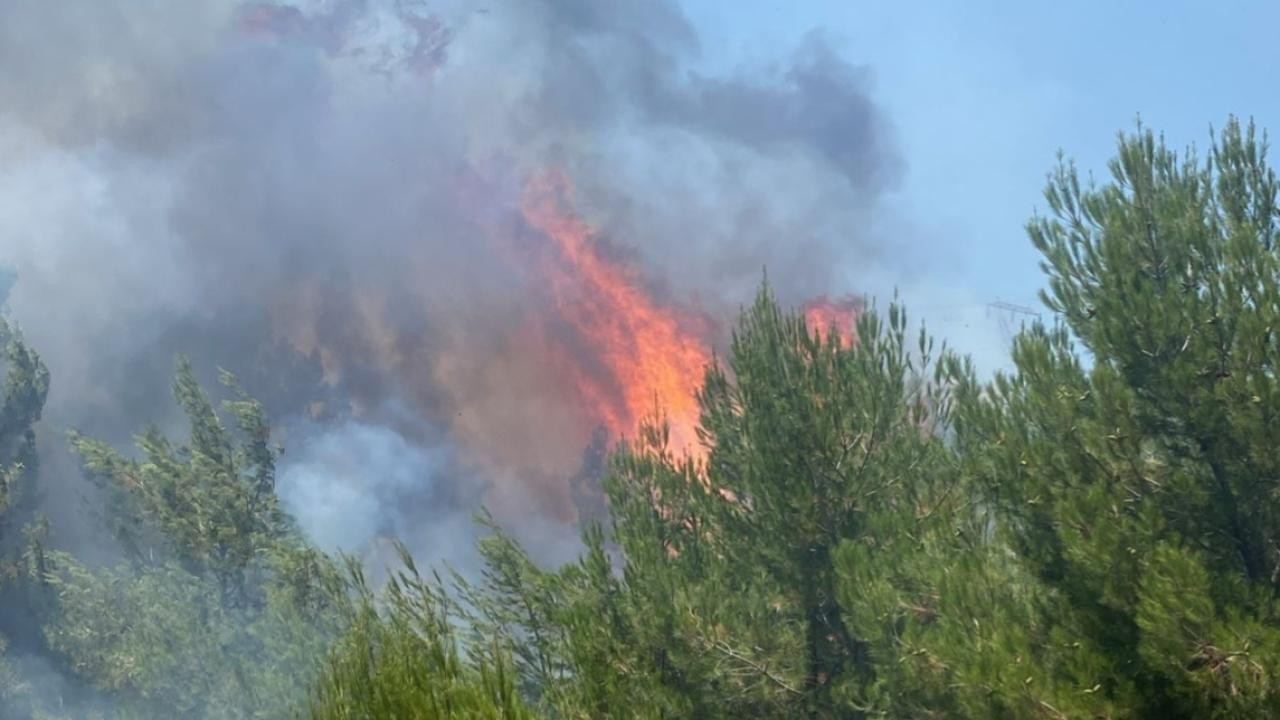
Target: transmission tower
{"type": "Point", "coordinates": [1009, 315]}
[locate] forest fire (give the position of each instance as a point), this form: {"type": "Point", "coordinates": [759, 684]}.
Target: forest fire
{"type": "Point", "coordinates": [580, 352]}
{"type": "Point", "coordinates": [647, 357]}
{"type": "Point", "coordinates": [823, 314]}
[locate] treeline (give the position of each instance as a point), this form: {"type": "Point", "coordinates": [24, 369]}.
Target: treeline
{"type": "Point", "coordinates": [875, 532]}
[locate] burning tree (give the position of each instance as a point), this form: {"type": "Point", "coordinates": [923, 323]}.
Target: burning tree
{"type": "Point", "coordinates": [729, 602]}
{"type": "Point", "coordinates": [1085, 539]}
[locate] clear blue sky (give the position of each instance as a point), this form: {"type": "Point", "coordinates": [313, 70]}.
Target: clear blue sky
{"type": "Point", "coordinates": [982, 94]}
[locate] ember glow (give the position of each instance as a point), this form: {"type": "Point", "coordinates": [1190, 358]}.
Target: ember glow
{"type": "Point", "coordinates": [823, 314]}
{"type": "Point", "coordinates": [646, 356]}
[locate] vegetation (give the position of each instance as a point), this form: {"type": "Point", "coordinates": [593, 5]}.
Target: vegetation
{"type": "Point", "coordinates": [874, 532]}
{"type": "Point", "coordinates": [404, 661]}
{"type": "Point", "coordinates": [26, 385]}
{"type": "Point", "coordinates": [220, 608]}
{"type": "Point", "coordinates": [1138, 489]}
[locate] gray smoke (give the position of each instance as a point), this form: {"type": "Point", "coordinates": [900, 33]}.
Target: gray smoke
{"type": "Point", "coordinates": [325, 485]}
{"type": "Point", "coordinates": [323, 197]}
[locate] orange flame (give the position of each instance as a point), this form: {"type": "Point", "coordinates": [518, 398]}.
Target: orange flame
{"type": "Point", "coordinates": [823, 314]}
{"type": "Point", "coordinates": [522, 382]}
{"type": "Point", "coordinates": [645, 355]}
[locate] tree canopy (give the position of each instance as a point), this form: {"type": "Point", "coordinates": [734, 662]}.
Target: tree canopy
{"type": "Point", "coordinates": [872, 529]}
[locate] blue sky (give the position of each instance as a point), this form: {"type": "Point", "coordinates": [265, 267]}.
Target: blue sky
{"type": "Point", "coordinates": [982, 94]}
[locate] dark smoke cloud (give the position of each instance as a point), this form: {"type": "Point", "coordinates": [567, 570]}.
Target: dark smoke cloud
{"type": "Point", "coordinates": [323, 196]}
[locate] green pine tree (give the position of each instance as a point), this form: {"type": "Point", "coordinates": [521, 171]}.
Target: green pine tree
{"type": "Point", "coordinates": [400, 658]}
{"type": "Point", "coordinates": [222, 610]}
{"type": "Point", "coordinates": [26, 386]}
{"type": "Point", "coordinates": [728, 599]}
{"type": "Point", "coordinates": [1134, 475]}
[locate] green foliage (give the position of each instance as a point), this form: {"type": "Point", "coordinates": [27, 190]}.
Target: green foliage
{"type": "Point", "coordinates": [26, 385]}
{"type": "Point", "coordinates": [211, 503]}
{"type": "Point", "coordinates": [1095, 537]}
{"type": "Point", "coordinates": [401, 660]}
{"type": "Point", "coordinates": [223, 611]}
{"type": "Point", "coordinates": [871, 532]}
{"type": "Point", "coordinates": [151, 633]}
{"type": "Point", "coordinates": [729, 602]}
{"type": "Point", "coordinates": [1138, 488]}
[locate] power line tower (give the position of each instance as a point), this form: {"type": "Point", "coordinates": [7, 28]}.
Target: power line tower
{"type": "Point", "coordinates": [1011, 317]}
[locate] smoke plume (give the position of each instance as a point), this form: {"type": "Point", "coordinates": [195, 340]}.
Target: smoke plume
{"type": "Point", "coordinates": [332, 200]}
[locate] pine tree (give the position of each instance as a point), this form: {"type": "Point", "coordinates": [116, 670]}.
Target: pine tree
{"type": "Point", "coordinates": [726, 600]}
{"type": "Point", "coordinates": [26, 386]}
{"type": "Point", "coordinates": [1135, 477]}
{"type": "Point", "coordinates": [210, 504]}
{"type": "Point", "coordinates": [399, 658]}
{"type": "Point", "coordinates": [1092, 535]}
{"type": "Point", "coordinates": [223, 610]}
